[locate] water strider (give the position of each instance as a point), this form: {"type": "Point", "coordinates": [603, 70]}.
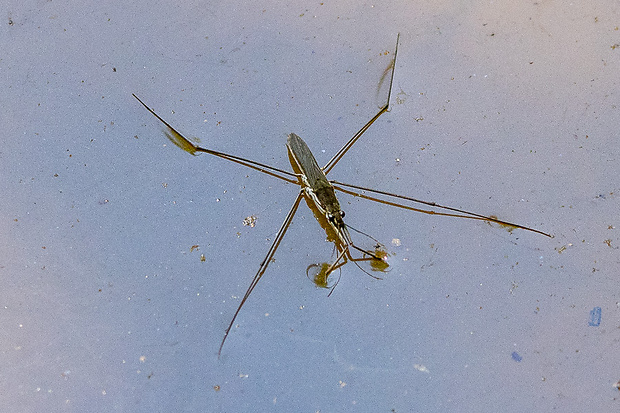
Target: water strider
{"type": "Point", "coordinates": [319, 192]}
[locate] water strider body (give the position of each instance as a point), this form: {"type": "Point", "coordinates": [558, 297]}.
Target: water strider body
{"type": "Point", "coordinates": [320, 193]}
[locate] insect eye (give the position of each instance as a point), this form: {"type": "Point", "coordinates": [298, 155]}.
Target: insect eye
{"type": "Point", "coordinates": [342, 214]}
{"type": "Point", "coordinates": [330, 218]}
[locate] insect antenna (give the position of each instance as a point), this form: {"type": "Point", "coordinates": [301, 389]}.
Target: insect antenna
{"type": "Point", "coordinates": [349, 243]}
{"type": "Point", "coordinates": [366, 235]}
{"type": "Point", "coordinates": [367, 273]}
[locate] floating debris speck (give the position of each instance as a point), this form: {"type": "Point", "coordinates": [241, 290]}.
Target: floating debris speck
{"type": "Point", "coordinates": [250, 221]}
